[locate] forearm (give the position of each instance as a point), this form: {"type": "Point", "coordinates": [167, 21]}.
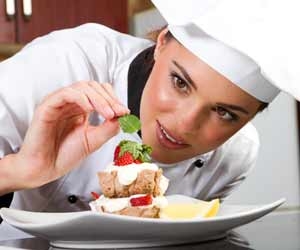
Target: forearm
{"type": "Point", "coordinates": [10, 178]}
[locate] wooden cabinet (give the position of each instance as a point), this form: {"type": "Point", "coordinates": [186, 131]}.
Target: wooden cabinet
{"type": "Point", "coordinates": [7, 27]}
{"type": "Point", "coordinates": [49, 15]}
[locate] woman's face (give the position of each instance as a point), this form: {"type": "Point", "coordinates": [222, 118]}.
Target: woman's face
{"type": "Point", "coordinates": [187, 108]}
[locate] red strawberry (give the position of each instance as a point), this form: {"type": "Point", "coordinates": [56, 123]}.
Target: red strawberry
{"type": "Point", "coordinates": [141, 201]}
{"type": "Point", "coordinates": [141, 153]}
{"type": "Point", "coordinates": [95, 195]}
{"type": "Point", "coordinates": [117, 151]}
{"type": "Point", "coordinates": [125, 159]}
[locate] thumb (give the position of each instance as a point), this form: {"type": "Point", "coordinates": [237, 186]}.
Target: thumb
{"type": "Point", "coordinates": [97, 136]}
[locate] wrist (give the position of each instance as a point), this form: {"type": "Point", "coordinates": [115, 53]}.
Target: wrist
{"type": "Point", "coordinates": [13, 174]}
{"type": "Point", "coordinates": [9, 174]}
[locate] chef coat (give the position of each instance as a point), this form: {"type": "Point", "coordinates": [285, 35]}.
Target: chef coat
{"type": "Point", "coordinates": [95, 52]}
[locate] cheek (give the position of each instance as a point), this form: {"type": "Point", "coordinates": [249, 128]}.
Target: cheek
{"type": "Point", "coordinates": [158, 96]}
{"type": "Point", "coordinates": [214, 136]}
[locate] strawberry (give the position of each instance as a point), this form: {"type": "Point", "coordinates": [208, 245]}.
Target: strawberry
{"type": "Point", "coordinates": [125, 159]}
{"type": "Point", "coordinates": [117, 152]}
{"type": "Point", "coordinates": [141, 201]}
{"type": "Point", "coordinates": [95, 195]}
{"type": "Point", "coordinates": [137, 161]}
{"type": "Point", "coordinates": [135, 153]}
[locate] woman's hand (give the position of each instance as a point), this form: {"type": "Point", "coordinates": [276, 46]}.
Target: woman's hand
{"type": "Point", "coordinates": [60, 136]}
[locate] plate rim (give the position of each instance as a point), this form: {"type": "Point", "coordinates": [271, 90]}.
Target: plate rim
{"type": "Point", "coordinates": [81, 214]}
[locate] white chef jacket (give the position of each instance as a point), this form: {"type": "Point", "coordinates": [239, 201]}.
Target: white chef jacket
{"type": "Point", "coordinates": [95, 52]}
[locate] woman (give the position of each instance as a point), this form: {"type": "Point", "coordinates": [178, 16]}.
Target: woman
{"type": "Point", "coordinates": [195, 118]}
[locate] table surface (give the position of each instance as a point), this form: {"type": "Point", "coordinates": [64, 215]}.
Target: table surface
{"type": "Point", "coordinates": [278, 230]}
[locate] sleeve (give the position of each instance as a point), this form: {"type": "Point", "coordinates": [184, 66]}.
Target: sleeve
{"type": "Point", "coordinates": [44, 65]}
{"type": "Point", "coordinates": [238, 158]}
{"type": "Point", "coordinates": [10, 138]}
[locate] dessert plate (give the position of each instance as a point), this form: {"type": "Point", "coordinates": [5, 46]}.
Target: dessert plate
{"type": "Point", "coordinates": [90, 229]}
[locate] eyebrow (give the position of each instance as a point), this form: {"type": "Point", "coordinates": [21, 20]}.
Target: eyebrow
{"type": "Point", "coordinates": [189, 79]}
{"type": "Point", "coordinates": [185, 74]}
{"type": "Point", "coordinates": [234, 107]}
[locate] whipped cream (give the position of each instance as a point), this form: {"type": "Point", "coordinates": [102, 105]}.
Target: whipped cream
{"type": "Point", "coordinates": [127, 174]}
{"type": "Point", "coordinates": [163, 184]}
{"type": "Point", "coordinates": [116, 204]}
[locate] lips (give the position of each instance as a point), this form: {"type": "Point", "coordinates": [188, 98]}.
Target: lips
{"type": "Point", "coordinates": [168, 140]}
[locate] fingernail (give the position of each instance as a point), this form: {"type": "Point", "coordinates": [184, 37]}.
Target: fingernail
{"type": "Point", "coordinates": [109, 112]}
{"type": "Point", "coordinates": [123, 110]}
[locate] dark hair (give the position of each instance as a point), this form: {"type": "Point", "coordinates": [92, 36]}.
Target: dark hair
{"type": "Point", "coordinates": [152, 35]}
{"type": "Point", "coordinates": [262, 106]}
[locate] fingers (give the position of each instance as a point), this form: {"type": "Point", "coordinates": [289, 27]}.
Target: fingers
{"type": "Point", "coordinates": [89, 96]}
{"type": "Point", "coordinates": [52, 106]}
{"type": "Point", "coordinates": [97, 136]}
{"type": "Point", "coordinates": [106, 90]}
{"type": "Point", "coordinates": [103, 99]}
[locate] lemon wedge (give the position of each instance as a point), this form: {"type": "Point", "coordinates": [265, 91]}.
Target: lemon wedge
{"type": "Point", "coordinates": [191, 210]}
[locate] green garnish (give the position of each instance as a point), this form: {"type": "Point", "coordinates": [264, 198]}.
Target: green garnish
{"type": "Point", "coordinates": [132, 124]}
{"type": "Point", "coordinates": [129, 123]}
{"type": "Point", "coordinates": [138, 151]}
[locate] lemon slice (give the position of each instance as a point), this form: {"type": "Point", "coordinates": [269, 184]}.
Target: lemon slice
{"type": "Point", "coordinates": [191, 210]}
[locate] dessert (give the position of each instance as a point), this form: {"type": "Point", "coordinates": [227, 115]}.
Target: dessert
{"type": "Point", "coordinates": [131, 185]}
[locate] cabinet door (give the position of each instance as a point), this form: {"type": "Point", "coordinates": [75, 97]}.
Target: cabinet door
{"type": "Point", "coordinates": [7, 26]}
{"type": "Point", "coordinates": [49, 15]}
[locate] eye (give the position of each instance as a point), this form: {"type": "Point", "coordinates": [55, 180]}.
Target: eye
{"type": "Point", "coordinates": [179, 84]}
{"type": "Point", "coordinates": [225, 114]}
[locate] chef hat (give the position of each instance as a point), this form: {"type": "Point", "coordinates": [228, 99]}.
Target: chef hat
{"type": "Point", "coordinates": [253, 43]}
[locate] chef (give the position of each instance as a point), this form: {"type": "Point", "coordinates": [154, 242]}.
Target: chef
{"type": "Point", "coordinates": [195, 89]}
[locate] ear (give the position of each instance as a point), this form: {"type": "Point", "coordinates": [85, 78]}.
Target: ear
{"type": "Point", "coordinates": [160, 42]}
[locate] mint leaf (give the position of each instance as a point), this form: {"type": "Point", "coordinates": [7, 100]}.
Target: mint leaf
{"type": "Point", "coordinates": [129, 123]}
{"type": "Point", "coordinates": [146, 151]}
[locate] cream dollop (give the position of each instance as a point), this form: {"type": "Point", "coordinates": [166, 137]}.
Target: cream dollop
{"type": "Point", "coordinates": [163, 184]}
{"type": "Point", "coordinates": [111, 205]}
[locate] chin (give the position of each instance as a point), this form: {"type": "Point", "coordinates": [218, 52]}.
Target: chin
{"type": "Point", "coordinates": [162, 158]}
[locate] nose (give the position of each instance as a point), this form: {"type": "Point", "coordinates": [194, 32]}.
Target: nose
{"type": "Point", "coordinates": [192, 118]}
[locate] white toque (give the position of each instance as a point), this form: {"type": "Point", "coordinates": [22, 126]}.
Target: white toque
{"type": "Point", "coordinates": [253, 43]}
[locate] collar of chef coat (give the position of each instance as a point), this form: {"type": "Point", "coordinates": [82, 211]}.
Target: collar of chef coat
{"type": "Point", "coordinates": [138, 73]}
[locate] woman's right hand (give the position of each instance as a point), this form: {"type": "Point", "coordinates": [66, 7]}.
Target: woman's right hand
{"type": "Point", "coordinates": [60, 135]}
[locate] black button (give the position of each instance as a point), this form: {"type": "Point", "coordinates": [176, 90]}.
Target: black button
{"type": "Point", "coordinates": [199, 163]}
{"type": "Point", "coordinates": [72, 198]}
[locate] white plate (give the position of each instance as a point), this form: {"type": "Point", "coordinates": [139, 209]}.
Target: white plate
{"type": "Point", "coordinates": [89, 229]}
